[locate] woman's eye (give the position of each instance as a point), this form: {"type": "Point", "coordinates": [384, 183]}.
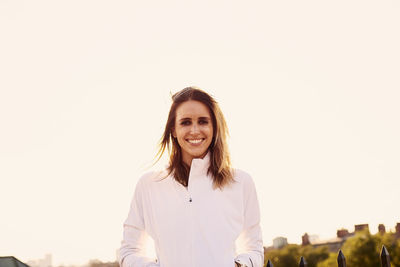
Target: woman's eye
{"type": "Point", "coordinates": [185, 123]}
{"type": "Point", "coordinates": [203, 122]}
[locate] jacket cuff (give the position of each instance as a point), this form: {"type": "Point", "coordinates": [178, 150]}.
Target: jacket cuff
{"type": "Point", "coordinates": [133, 261]}
{"type": "Point", "coordinates": [244, 259]}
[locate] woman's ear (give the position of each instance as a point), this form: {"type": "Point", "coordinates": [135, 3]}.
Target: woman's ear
{"type": "Point", "coordinates": [173, 133]}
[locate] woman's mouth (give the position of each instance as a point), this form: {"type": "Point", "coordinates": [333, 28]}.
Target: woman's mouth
{"type": "Point", "coordinates": [195, 141]}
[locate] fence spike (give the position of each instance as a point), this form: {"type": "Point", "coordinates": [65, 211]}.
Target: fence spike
{"type": "Point", "coordinates": [303, 262]}
{"type": "Point", "coordinates": [269, 264]}
{"type": "Point", "coordinates": [385, 258]}
{"type": "Point", "coordinates": [341, 260]}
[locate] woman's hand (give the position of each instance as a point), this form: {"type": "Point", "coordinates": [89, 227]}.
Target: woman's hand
{"type": "Point", "coordinates": [237, 264]}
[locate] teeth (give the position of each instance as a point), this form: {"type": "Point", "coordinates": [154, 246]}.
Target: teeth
{"type": "Point", "coordinates": [195, 141]}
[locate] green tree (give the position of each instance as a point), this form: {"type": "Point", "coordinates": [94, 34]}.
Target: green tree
{"type": "Point", "coordinates": [392, 245]}
{"type": "Point", "coordinates": [331, 261]}
{"type": "Point", "coordinates": [314, 255]}
{"type": "Point", "coordinates": [289, 256]}
{"type": "Point", "coordinates": [363, 249]}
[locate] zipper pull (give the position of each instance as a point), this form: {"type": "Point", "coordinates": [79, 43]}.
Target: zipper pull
{"type": "Point", "coordinates": [190, 199]}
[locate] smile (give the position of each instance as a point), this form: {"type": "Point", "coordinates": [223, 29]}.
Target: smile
{"type": "Point", "coordinates": [195, 141]}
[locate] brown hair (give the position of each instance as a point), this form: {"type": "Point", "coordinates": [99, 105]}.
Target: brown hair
{"type": "Point", "coordinates": [220, 165]}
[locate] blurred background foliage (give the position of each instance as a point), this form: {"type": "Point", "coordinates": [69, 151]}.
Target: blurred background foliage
{"type": "Point", "coordinates": [361, 250]}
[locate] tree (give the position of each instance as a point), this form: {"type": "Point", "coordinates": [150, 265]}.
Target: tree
{"type": "Point", "coordinates": [289, 256]}
{"type": "Point", "coordinates": [331, 261]}
{"type": "Point", "coordinates": [314, 255]}
{"type": "Point", "coordinates": [363, 249]}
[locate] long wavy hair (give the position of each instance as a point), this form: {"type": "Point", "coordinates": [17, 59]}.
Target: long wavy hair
{"type": "Point", "coordinates": [220, 164]}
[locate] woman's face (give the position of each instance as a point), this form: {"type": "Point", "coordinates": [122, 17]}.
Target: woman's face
{"type": "Point", "coordinates": [193, 130]}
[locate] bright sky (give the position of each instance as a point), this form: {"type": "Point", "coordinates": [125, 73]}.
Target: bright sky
{"type": "Point", "coordinates": [310, 89]}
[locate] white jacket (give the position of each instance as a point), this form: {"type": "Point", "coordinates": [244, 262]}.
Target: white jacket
{"type": "Point", "coordinates": [197, 226]}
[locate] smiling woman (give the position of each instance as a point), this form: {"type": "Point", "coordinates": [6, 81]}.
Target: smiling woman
{"type": "Point", "coordinates": [199, 211]}
{"type": "Point", "coordinates": [193, 130]}
{"type": "Point", "coordinates": [197, 112]}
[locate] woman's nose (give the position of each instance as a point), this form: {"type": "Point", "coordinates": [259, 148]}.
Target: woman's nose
{"type": "Point", "coordinates": [194, 128]}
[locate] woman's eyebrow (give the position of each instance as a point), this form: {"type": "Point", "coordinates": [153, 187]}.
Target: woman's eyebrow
{"type": "Point", "coordinates": [184, 119]}
{"type": "Point", "coordinates": [199, 118]}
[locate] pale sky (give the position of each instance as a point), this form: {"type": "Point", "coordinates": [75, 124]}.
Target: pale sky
{"type": "Point", "coordinates": [310, 90]}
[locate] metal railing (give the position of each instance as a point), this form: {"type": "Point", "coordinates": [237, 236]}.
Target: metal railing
{"type": "Point", "coordinates": [341, 260]}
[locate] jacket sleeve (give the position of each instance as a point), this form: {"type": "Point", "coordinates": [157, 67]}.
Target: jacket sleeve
{"type": "Point", "coordinates": [135, 240]}
{"type": "Point", "coordinates": [249, 244]}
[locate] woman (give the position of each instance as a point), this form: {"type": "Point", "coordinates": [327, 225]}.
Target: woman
{"type": "Point", "coordinates": [199, 211]}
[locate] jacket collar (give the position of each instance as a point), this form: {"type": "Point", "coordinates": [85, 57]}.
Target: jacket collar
{"type": "Point", "coordinates": [200, 166]}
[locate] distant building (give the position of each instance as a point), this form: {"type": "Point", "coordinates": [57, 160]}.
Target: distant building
{"type": "Point", "coordinates": [47, 261]}
{"type": "Point", "coordinates": [333, 244]}
{"type": "Point", "coordinates": [279, 242]}
{"type": "Point", "coordinates": [313, 238]}
{"type": "Point", "coordinates": [342, 233]}
{"type": "Point", "coordinates": [305, 240]}
{"type": "Point", "coordinates": [361, 227]}
{"type": "Point", "coordinates": [10, 261]}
